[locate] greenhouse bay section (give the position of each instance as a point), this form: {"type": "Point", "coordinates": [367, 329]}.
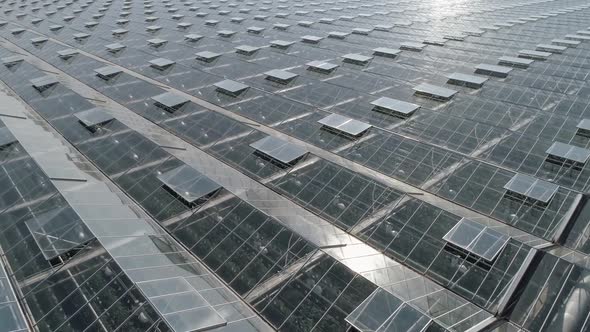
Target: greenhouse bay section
{"type": "Point", "coordinates": [294, 165]}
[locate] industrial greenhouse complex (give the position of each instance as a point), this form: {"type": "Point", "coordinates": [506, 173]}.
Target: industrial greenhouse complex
{"type": "Point", "coordinates": [294, 165]}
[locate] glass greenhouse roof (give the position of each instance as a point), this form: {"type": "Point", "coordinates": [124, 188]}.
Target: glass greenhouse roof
{"type": "Point", "coordinates": [301, 166]}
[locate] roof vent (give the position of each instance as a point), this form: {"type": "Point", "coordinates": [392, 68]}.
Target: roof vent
{"type": "Point", "coordinates": [188, 185]}
{"type": "Point", "coordinates": [119, 32]}
{"type": "Point", "coordinates": [435, 41]}
{"type": "Point", "coordinates": [357, 59]}
{"type": "Point", "coordinates": [230, 87]}
{"type": "Point", "coordinates": [551, 48]}
{"type": "Point", "coordinates": [59, 233]}
{"type": "Point", "coordinates": [280, 76]}
{"type": "Point", "coordinates": [282, 44]}
{"type": "Point", "coordinates": [246, 49]}
{"type": "Point", "coordinates": [116, 47]}
{"type": "Point", "coordinates": [361, 31]}
{"type": "Point", "coordinates": [44, 83]}
{"type": "Point", "coordinates": [311, 39]}
{"type": "Point", "coordinates": [567, 155]}
{"type": "Point", "coordinates": [226, 33]}
{"type": "Point", "coordinates": [107, 72]}
{"type": "Point", "coordinates": [161, 63]}
{"type": "Point", "coordinates": [470, 81]}
{"type": "Point", "coordinates": [476, 238]}
{"type": "Point", "coordinates": [306, 24]}
{"type": "Point", "coordinates": [81, 36]}
{"type": "Point", "coordinates": [169, 101]}
{"type": "Point", "coordinates": [434, 92]}
{"type": "Point", "coordinates": [156, 42]}
{"type": "Point", "coordinates": [535, 55]}
{"type": "Point", "coordinates": [192, 37]}
{"type": "Point", "coordinates": [281, 152]}
{"type": "Point", "coordinates": [207, 56]}
{"type": "Point", "coordinates": [344, 125]}
{"type": "Point", "coordinates": [583, 128]}
{"type": "Point", "coordinates": [338, 34]}
{"type": "Point", "coordinates": [67, 53]}
{"type": "Point", "coordinates": [255, 30]}
{"type": "Point", "coordinates": [512, 61]}
{"type": "Point", "coordinates": [386, 52]}
{"type": "Point", "coordinates": [412, 46]}
{"type": "Point", "coordinates": [321, 67]}
{"type": "Point", "coordinates": [94, 118]}
{"type": "Point", "coordinates": [12, 60]}
{"type": "Point", "coordinates": [395, 107]}
{"type": "Point", "coordinates": [492, 70]}
{"type": "Point", "coordinates": [39, 40]}
{"type": "Point", "coordinates": [6, 137]}
{"type": "Point", "coordinates": [529, 190]}
{"type": "Point", "coordinates": [281, 26]}
{"type": "Point", "coordinates": [565, 42]}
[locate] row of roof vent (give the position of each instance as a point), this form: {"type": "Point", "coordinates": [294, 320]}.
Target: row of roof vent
{"type": "Point", "coordinates": [520, 185]}
{"type": "Point", "coordinates": [184, 182]}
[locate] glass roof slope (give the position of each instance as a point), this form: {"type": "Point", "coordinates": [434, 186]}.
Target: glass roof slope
{"type": "Point", "coordinates": [12, 317]}
{"type": "Point", "coordinates": [125, 237]}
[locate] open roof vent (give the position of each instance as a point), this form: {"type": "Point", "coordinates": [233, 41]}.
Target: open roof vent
{"type": "Point", "coordinates": [477, 239]}
{"type": "Point", "coordinates": [344, 125]}
{"type": "Point", "coordinates": [280, 152]}
{"type": "Point", "coordinates": [280, 76]}
{"type": "Point", "coordinates": [169, 101]}
{"type": "Point", "coordinates": [94, 118]}
{"type": "Point", "coordinates": [230, 87]}
{"type": "Point", "coordinates": [44, 83]}
{"type": "Point", "coordinates": [529, 190]}
{"type": "Point", "coordinates": [395, 107]}
{"type": "Point", "coordinates": [567, 155]}
{"type": "Point", "coordinates": [189, 185]}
